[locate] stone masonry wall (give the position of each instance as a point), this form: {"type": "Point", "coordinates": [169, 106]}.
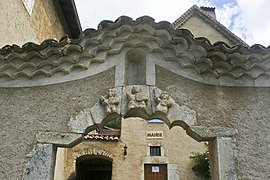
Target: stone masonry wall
{"type": "Point", "coordinates": [245, 109]}
{"type": "Point", "coordinates": [24, 111]}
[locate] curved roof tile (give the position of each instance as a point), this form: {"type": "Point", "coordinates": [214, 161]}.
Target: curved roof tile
{"type": "Point", "coordinates": [34, 64]}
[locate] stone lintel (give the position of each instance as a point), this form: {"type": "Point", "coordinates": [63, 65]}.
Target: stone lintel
{"type": "Point", "coordinates": [62, 139]}
{"type": "Point", "coordinates": [201, 133]}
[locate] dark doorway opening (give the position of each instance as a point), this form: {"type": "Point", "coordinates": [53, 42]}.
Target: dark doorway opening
{"type": "Point", "coordinates": [155, 172]}
{"type": "Point", "coordinates": [94, 168]}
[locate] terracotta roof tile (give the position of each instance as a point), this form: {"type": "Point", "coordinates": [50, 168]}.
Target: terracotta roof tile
{"type": "Point", "coordinates": [107, 135]}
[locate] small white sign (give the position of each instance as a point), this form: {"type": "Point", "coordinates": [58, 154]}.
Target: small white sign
{"type": "Point", "coordinates": [155, 169]}
{"type": "Point", "coordinates": [154, 135]}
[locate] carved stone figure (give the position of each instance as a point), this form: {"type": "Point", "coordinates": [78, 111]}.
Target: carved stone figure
{"type": "Point", "coordinates": [163, 102]}
{"type": "Point", "coordinates": [110, 101]}
{"type": "Point", "coordinates": [136, 99]}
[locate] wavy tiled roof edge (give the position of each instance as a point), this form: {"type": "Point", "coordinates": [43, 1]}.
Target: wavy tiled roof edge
{"type": "Point", "coordinates": [212, 21]}
{"type": "Point", "coordinates": [122, 20]}
{"type": "Point", "coordinates": [93, 41]}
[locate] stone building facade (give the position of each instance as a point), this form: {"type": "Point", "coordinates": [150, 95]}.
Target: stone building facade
{"type": "Point", "coordinates": [36, 20]}
{"type": "Point", "coordinates": [174, 153]}
{"type": "Point", "coordinates": [54, 97]}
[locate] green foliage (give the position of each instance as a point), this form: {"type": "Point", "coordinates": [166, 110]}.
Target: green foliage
{"type": "Point", "coordinates": [201, 167]}
{"type": "Point", "coordinates": [114, 124]}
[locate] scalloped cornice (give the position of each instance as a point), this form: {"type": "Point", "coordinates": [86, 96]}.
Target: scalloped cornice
{"type": "Point", "coordinates": [97, 50]}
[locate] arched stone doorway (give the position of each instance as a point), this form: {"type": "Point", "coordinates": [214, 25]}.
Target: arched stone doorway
{"type": "Point", "coordinates": [221, 139]}
{"type": "Point", "coordinates": [94, 167]}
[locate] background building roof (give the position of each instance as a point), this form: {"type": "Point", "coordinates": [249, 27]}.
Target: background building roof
{"type": "Point", "coordinates": [71, 17]}
{"type": "Point", "coordinates": [208, 15]}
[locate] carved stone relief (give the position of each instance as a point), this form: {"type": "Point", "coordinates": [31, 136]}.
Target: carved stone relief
{"type": "Point", "coordinates": [110, 101]}
{"type": "Point", "coordinates": [164, 102]}
{"type": "Point", "coordinates": [107, 107]}
{"type": "Point", "coordinates": [133, 101]}
{"type": "Point", "coordinates": [137, 99]}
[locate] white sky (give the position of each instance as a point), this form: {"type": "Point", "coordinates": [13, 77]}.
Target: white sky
{"type": "Point", "coordinates": [248, 19]}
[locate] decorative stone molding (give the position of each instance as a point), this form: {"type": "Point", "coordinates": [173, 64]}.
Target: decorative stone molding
{"type": "Point", "coordinates": [98, 50]}
{"type": "Point", "coordinates": [133, 101]}
{"type": "Point", "coordinates": [92, 151]}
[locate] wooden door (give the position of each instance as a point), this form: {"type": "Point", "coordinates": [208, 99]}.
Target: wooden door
{"type": "Point", "coordinates": [155, 172]}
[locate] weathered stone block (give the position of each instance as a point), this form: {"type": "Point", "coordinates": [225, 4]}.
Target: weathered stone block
{"type": "Point", "coordinates": [182, 113]}
{"type": "Point", "coordinates": [58, 138]}
{"type": "Point", "coordinates": [201, 133]}
{"type": "Point", "coordinates": [136, 101]}
{"type": "Point", "coordinates": [99, 112]}
{"type": "Point", "coordinates": [41, 163]}
{"type": "Point", "coordinates": [81, 121]}
{"type": "Point", "coordinates": [173, 172]}
{"type": "Point", "coordinates": [223, 158]}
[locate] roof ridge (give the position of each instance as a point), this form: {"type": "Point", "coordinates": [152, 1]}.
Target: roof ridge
{"type": "Point", "coordinates": [215, 23]}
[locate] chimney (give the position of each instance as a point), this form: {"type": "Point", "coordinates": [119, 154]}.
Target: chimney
{"type": "Point", "coordinates": [210, 11]}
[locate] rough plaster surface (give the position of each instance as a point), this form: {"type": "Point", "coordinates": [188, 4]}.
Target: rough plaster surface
{"type": "Point", "coordinates": [45, 11]}
{"type": "Point", "coordinates": [245, 109]}
{"type": "Point", "coordinates": [17, 27]}
{"type": "Point", "coordinates": [24, 111]}
{"type": "Point", "coordinates": [200, 28]}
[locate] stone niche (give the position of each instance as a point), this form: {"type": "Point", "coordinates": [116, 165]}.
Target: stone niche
{"type": "Point", "coordinates": [135, 67]}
